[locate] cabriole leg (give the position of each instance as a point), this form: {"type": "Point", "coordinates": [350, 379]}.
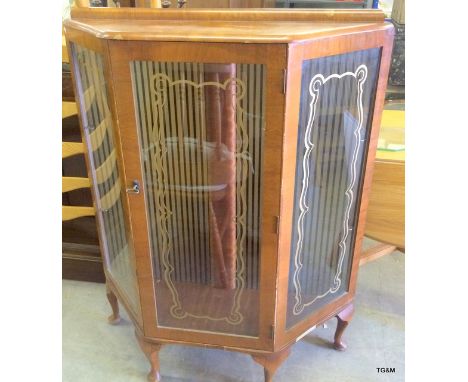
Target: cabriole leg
{"type": "Point", "coordinates": [151, 351]}
{"type": "Point", "coordinates": [343, 320]}
{"type": "Point", "coordinates": [271, 362]}
{"type": "Point", "coordinates": [114, 318]}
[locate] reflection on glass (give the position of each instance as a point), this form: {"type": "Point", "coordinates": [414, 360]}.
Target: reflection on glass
{"type": "Point", "coordinates": [97, 123]}
{"type": "Point", "coordinates": [334, 122]}
{"type": "Point", "coordinates": [201, 129]}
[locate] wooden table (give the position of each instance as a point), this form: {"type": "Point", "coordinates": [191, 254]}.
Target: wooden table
{"type": "Point", "coordinates": [386, 211]}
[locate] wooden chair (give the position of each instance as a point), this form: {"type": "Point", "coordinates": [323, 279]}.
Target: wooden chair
{"type": "Point", "coordinates": [81, 257]}
{"type": "Point", "coordinates": [70, 149]}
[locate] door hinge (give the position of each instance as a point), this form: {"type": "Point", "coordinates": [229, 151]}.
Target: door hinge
{"type": "Point", "coordinates": [277, 224]}
{"type": "Point", "coordinates": [272, 331]}
{"type": "Point", "coordinates": [285, 80]}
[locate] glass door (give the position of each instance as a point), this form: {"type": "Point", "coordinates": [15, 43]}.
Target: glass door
{"type": "Point", "coordinates": [201, 133]}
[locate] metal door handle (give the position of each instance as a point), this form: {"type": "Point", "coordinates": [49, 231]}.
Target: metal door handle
{"type": "Point", "coordinates": [135, 189]}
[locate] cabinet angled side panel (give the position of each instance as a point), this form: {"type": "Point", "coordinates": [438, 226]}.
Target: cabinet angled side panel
{"type": "Point", "coordinates": [337, 98]}
{"type": "Point", "coordinates": [335, 93]}
{"type": "Point", "coordinates": [97, 125]}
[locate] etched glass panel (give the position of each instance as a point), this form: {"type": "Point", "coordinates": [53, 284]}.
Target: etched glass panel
{"type": "Point", "coordinates": [97, 124]}
{"type": "Point", "coordinates": [337, 98]}
{"type": "Point", "coordinates": [201, 130]}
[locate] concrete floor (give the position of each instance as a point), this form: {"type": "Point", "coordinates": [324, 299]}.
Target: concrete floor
{"type": "Point", "coordinates": [94, 351]}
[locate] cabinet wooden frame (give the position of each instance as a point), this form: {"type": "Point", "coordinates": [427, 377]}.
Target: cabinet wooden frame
{"type": "Point", "coordinates": [121, 54]}
{"type": "Point", "coordinates": [282, 59]}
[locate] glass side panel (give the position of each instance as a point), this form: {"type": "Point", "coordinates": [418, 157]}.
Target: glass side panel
{"type": "Point", "coordinates": [337, 98]}
{"type": "Point", "coordinates": [201, 134]}
{"type": "Point", "coordinates": [97, 124]}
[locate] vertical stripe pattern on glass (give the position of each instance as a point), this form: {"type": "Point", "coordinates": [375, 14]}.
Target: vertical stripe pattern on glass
{"type": "Point", "coordinates": [97, 125]}
{"type": "Point", "coordinates": [200, 128]}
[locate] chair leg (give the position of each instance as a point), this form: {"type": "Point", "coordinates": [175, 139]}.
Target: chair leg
{"type": "Point", "coordinates": [343, 318]}
{"type": "Point", "coordinates": [271, 362]}
{"type": "Point", "coordinates": [114, 318]}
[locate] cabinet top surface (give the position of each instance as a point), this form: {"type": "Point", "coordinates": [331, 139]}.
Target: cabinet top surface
{"type": "Point", "coordinates": [232, 25]}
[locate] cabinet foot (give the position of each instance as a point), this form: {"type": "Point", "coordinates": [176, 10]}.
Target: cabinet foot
{"type": "Point", "coordinates": [271, 362]}
{"type": "Point", "coordinates": [151, 351]}
{"type": "Point", "coordinates": [114, 318]}
{"type": "Point", "coordinates": [343, 317]}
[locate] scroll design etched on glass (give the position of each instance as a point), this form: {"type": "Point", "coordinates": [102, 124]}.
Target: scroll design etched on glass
{"type": "Point", "coordinates": [161, 148]}
{"type": "Point", "coordinates": [315, 85]}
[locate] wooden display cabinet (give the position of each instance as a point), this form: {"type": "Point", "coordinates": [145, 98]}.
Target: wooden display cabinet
{"type": "Point", "coordinates": [231, 155]}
